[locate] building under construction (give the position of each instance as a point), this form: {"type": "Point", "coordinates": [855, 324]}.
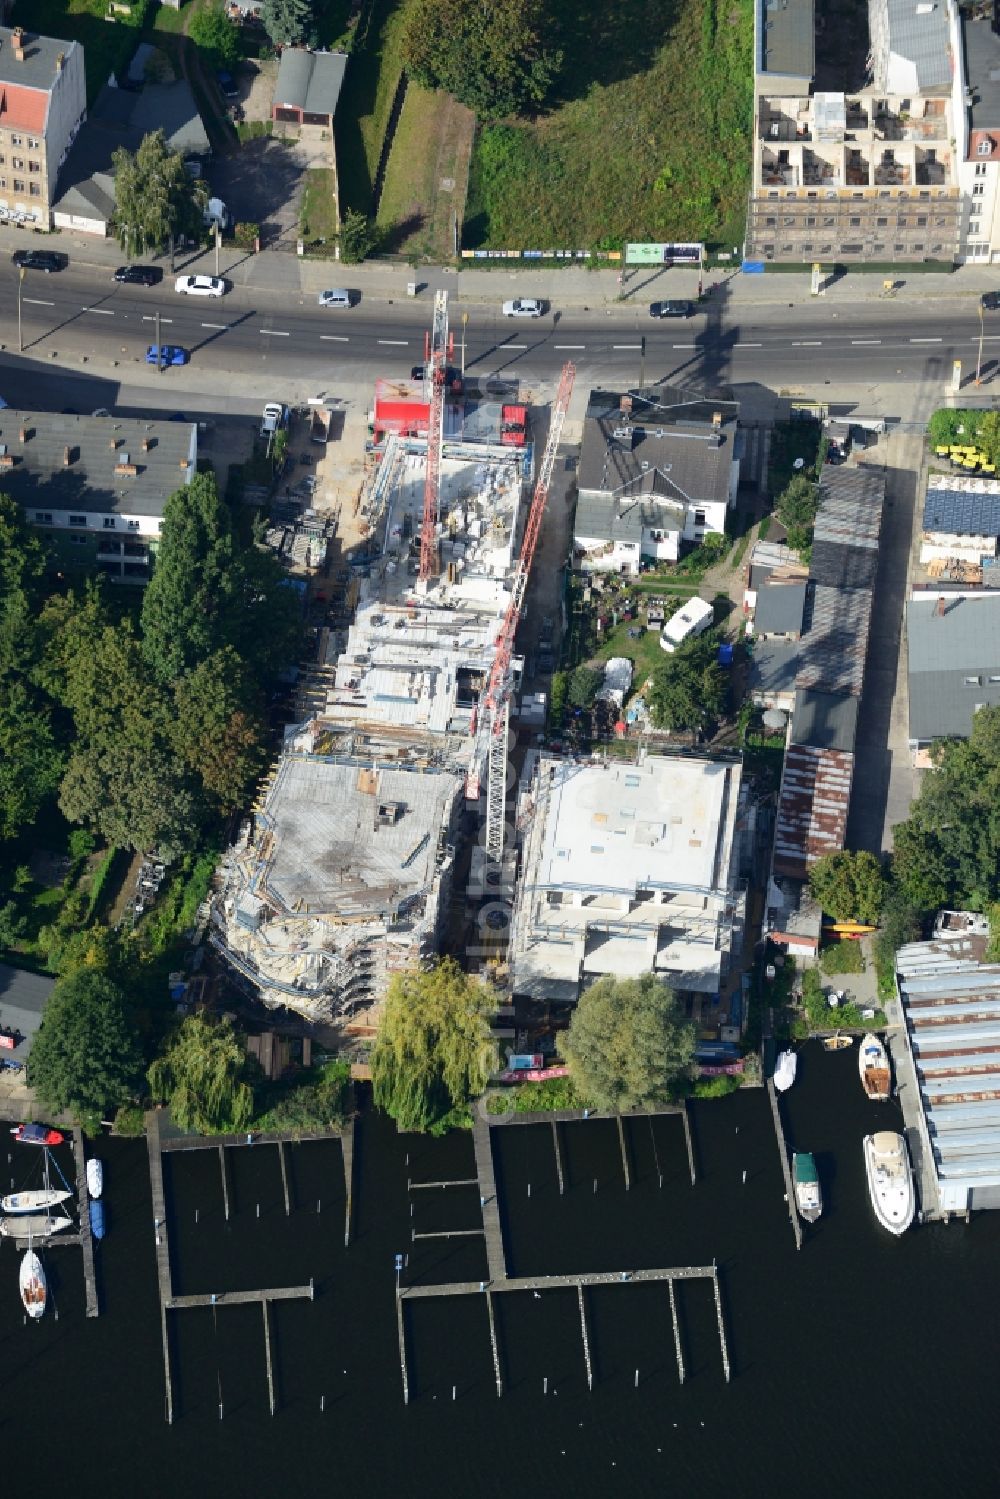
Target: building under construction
{"type": "Point", "coordinates": [343, 873]}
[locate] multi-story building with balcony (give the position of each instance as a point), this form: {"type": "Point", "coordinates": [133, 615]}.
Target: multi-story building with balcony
{"type": "Point", "coordinates": [979, 133]}
{"type": "Point", "coordinates": [855, 154]}
{"type": "Point", "coordinates": [43, 103]}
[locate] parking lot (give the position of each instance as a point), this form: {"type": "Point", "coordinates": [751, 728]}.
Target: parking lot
{"type": "Point", "coordinates": [262, 183]}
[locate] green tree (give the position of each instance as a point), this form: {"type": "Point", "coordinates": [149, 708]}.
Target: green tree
{"type": "Point", "coordinates": [31, 760]}
{"type": "Point", "coordinates": [203, 1075]}
{"type": "Point", "coordinates": [796, 509]}
{"type": "Point", "coordinates": [156, 201]}
{"type": "Point", "coordinates": [433, 1051]}
{"type": "Point", "coordinates": [215, 731]}
{"type": "Point", "coordinates": [490, 53]}
{"type": "Point", "coordinates": [214, 33]}
{"type": "Point", "coordinates": [85, 1057]}
{"type": "Point", "coordinates": [629, 1045]}
{"type": "Point", "coordinates": [583, 686]}
{"type": "Point", "coordinates": [358, 237]}
{"type": "Point", "coordinates": [12, 925]}
{"type": "Point", "coordinates": [557, 698]}
{"type": "Point", "coordinates": [689, 689]}
{"type": "Point", "coordinates": [288, 22]}
{"type": "Point", "coordinates": [849, 886]}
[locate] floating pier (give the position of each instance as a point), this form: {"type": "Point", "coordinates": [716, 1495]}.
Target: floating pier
{"type": "Point", "coordinates": [558, 1282]}
{"type": "Point", "coordinates": [448, 1233]}
{"type": "Point", "coordinates": [557, 1148]}
{"type": "Point", "coordinates": [677, 1332]}
{"type": "Point", "coordinates": [284, 1177]}
{"type": "Point", "coordinates": [624, 1151]}
{"type": "Point", "coordinates": [347, 1153]}
{"type": "Point", "coordinates": [267, 1355]}
{"type": "Point", "coordinates": [466, 1181]}
{"type": "Point", "coordinates": [585, 1334]}
{"type": "Point", "coordinates": [401, 1331]}
{"type": "Point", "coordinates": [722, 1326]}
{"type": "Point", "coordinates": [493, 1343]}
{"type": "Point", "coordinates": [224, 1169]}
{"type": "Point", "coordinates": [786, 1169]}
{"type": "Point", "coordinates": [688, 1142]}
{"type": "Point", "coordinates": [495, 1257]}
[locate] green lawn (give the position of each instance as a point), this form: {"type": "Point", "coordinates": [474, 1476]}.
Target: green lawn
{"type": "Point", "coordinates": [318, 218]}
{"type": "Point", "coordinates": [107, 45]}
{"type": "Point", "coordinates": [789, 441]}
{"type": "Point", "coordinates": [651, 140]}
{"type": "Point", "coordinates": [432, 142]}
{"type": "Point", "coordinates": [365, 103]}
{"type": "Point", "coordinates": [644, 653]}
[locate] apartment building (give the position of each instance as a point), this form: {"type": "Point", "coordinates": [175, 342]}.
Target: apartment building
{"type": "Point", "coordinates": [979, 133]}
{"type": "Point", "coordinates": [43, 103]}
{"type": "Point", "coordinates": [855, 150]}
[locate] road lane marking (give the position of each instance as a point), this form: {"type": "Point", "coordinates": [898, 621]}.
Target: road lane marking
{"type": "Point", "coordinates": [101, 311]}
{"type": "Point", "coordinates": [148, 318]}
{"type": "Point", "coordinates": [513, 346]}
{"type": "Point", "coordinates": [215, 325]}
{"type": "Point", "coordinates": [858, 341]}
{"type": "Point", "coordinates": [274, 332]}
{"type": "Point", "coordinates": [685, 346]}
{"type": "Point", "coordinates": [399, 343]}
{"type": "Point", "coordinates": [569, 346]}
{"type": "Point", "coordinates": [36, 302]}
{"type": "Point", "coordinates": [626, 346]}
{"type": "Point", "coordinates": [742, 344]}
{"type": "Point", "coordinates": [335, 338]}
{"type": "Point", "coordinates": [807, 343]}
{"type": "Point", "coordinates": [988, 338]}
{"type": "Point", "coordinates": [926, 340]}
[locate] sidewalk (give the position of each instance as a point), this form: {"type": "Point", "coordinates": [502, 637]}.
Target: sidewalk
{"type": "Point", "coordinates": [572, 287]}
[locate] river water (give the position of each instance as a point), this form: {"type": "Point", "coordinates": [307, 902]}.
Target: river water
{"type": "Point", "coordinates": [861, 1365]}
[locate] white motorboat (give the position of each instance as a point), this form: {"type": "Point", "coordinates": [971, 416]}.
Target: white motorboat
{"type": "Point", "coordinates": [805, 1178]}
{"type": "Point", "coordinates": [32, 1284]}
{"type": "Point", "coordinates": [784, 1070]}
{"type": "Point", "coordinates": [34, 1201]}
{"type": "Point", "coordinates": [873, 1065]}
{"type": "Point", "coordinates": [890, 1180]}
{"type": "Point", "coordinates": [95, 1177]}
{"type": "Point", "coordinates": [33, 1226]}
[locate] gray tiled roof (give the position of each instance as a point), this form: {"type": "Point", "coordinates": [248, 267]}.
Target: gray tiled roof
{"type": "Point", "coordinates": [310, 81]}
{"type": "Point", "coordinates": [825, 720]}
{"type": "Point", "coordinates": [40, 479]}
{"type": "Point", "coordinates": [604, 519]}
{"type": "Point", "coordinates": [39, 68]}
{"type": "Point", "coordinates": [944, 650]}
{"type": "Point", "coordinates": [787, 31]}
{"type": "Point", "coordinates": [23, 997]}
{"type": "Point", "coordinates": [780, 607]}
{"type": "Point", "coordinates": [955, 510]}
{"type": "Point", "coordinates": [668, 446]}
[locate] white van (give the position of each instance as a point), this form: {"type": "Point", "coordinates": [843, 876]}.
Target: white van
{"type": "Point", "coordinates": [693, 619]}
{"type": "Point", "coordinates": [216, 212]}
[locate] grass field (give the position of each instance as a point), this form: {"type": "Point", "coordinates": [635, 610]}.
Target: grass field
{"type": "Point", "coordinates": [366, 102]}
{"type": "Point", "coordinates": [431, 147]}
{"type": "Point", "coordinates": [316, 215]}
{"type": "Point", "coordinates": [650, 142]}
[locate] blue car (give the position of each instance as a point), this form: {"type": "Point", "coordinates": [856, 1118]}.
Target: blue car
{"type": "Point", "coordinates": [227, 84]}
{"type": "Point", "coordinates": [169, 354]}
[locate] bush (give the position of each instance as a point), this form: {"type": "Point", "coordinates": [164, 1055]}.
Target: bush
{"type": "Point", "coordinates": [843, 957]}
{"type": "Point", "coordinates": [314, 1104]}
{"type": "Point", "coordinates": [358, 237]}
{"type": "Point", "coordinates": [246, 236]}
{"type": "Point", "coordinates": [545, 1097]}
{"type": "Point", "coordinates": [81, 844]}
{"type": "Point", "coordinates": [130, 1122]}
{"type": "Point", "coordinates": [716, 1087]}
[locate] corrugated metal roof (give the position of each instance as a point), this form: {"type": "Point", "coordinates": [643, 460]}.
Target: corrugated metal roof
{"type": "Point", "coordinates": [962, 507]}
{"type": "Point", "coordinates": [850, 506]}
{"type": "Point", "coordinates": [812, 808]}
{"type": "Point", "coordinates": [836, 565]}
{"type": "Point", "coordinates": [310, 81]}
{"type": "Point", "coordinates": [951, 1009]}
{"type": "Point", "coordinates": [918, 34]}
{"type": "Point", "coordinates": [833, 648]}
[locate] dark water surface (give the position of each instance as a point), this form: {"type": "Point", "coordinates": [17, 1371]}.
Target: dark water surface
{"type": "Point", "coordinates": [863, 1365]}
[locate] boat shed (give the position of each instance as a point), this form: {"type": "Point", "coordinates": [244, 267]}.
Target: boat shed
{"type": "Point", "coordinates": [950, 1008]}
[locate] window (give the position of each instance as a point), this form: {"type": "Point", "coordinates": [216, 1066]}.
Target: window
{"type": "Point", "coordinates": [18, 186]}
{"type": "Point", "coordinates": [882, 223]}
{"type": "Point", "coordinates": [856, 223]}
{"type": "Point", "coordinates": [133, 525]}
{"type": "Point", "coordinates": [16, 140]}
{"type": "Point", "coordinates": [34, 190]}
{"type": "Point", "coordinates": [78, 541]}
{"type": "Point", "coordinates": [771, 223]}
{"type": "Point", "coordinates": [17, 162]}
{"type": "Point", "coordinates": [978, 189]}
{"type": "Point", "coordinates": [811, 221]}
{"type": "Point", "coordinates": [699, 517]}
{"type": "Point", "coordinates": [899, 249]}
{"type": "Point", "coordinates": [78, 520]}
{"type": "Point", "coordinates": [109, 523]}
{"type": "Point", "coordinates": [983, 149]}
{"type": "Point", "coordinates": [922, 221]}
{"type": "Point", "coordinates": [43, 517]}
{"type": "Point", "coordinates": [980, 168]}
{"type": "Point", "coordinates": [878, 249]}
{"type": "Point", "coordinates": [973, 682]}
{"type": "Point", "coordinates": [34, 166]}
{"type": "Point", "coordinates": [32, 143]}
{"type": "Point", "coordinates": [3, 182]}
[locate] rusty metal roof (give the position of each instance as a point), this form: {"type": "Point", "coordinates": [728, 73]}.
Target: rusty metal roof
{"type": "Point", "coordinates": [812, 808]}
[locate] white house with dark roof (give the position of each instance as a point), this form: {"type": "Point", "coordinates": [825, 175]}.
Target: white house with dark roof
{"type": "Point", "coordinates": [656, 469]}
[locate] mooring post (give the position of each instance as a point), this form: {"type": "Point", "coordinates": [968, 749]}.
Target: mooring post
{"type": "Point", "coordinates": [267, 1355]}
{"type": "Point", "coordinates": [225, 1181]}
{"type": "Point", "coordinates": [558, 1152]}
{"type": "Point", "coordinates": [677, 1332]}
{"type": "Point", "coordinates": [586, 1336]}
{"type": "Point", "coordinates": [722, 1328]}
{"type": "Point", "coordinates": [621, 1142]}
{"type": "Point", "coordinates": [493, 1343]}
{"type": "Point", "coordinates": [284, 1176]}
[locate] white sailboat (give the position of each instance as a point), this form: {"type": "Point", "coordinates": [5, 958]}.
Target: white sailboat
{"type": "Point", "coordinates": [33, 1226]}
{"type": "Point", "coordinates": [890, 1180]}
{"type": "Point", "coordinates": [32, 1284]}
{"type": "Point", "coordinates": [784, 1070]}
{"type": "Point", "coordinates": [33, 1201]}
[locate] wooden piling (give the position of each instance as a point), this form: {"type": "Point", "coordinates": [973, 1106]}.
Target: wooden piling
{"type": "Point", "coordinates": [624, 1151]}
{"type": "Point", "coordinates": [347, 1150]}
{"type": "Point", "coordinates": [493, 1343]}
{"type": "Point", "coordinates": [586, 1336]}
{"type": "Point", "coordinates": [688, 1142]}
{"type": "Point", "coordinates": [722, 1326]}
{"type": "Point", "coordinates": [558, 1153]}
{"type": "Point", "coordinates": [284, 1175]}
{"type": "Point", "coordinates": [786, 1170]}
{"type": "Point", "coordinates": [225, 1181]}
{"type": "Point", "coordinates": [401, 1329]}
{"type": "Point", "coordinates": [677, 1332]}
{"type": "Point", "coordinates": [267, 1355]}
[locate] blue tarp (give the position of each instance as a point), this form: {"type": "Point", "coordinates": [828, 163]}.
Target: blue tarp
{"type": "Point", "coordinates": [726, 653]}
{"type": "Point", "coordinates": [752, 267]}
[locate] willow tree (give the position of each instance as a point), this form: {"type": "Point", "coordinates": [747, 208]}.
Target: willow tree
{"type": "Point", "coordinates": [629, 1045]}
{"type": "Point", "coordinates": [433, 1052]}
{"type": "Point", "coordinates": [202, 1076]}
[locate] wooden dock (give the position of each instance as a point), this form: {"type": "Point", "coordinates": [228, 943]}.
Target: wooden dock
{"type": "Point", "coordinates": [688, 1142]}
{"type": "Point", "coordinates": [558, 1154]}
{"type": "Point", "coordinates": [495, 1256]}
{"type": "Point", "coordinates": [559, 1282]}
{"type": "Point", "coordinates": [677, 1332]}
{"type": "Point", "coordinates": [85, 1237]}
{"type": "Point", "coordinates": [347, 1153]}
{"type": "Point", "coordinates": [624, 1151]}
{"type": "Point", "coordinates": [786, 1169]}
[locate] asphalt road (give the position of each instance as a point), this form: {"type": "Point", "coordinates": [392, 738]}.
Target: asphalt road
{"type": "Point", "coordinates": [76, 313]}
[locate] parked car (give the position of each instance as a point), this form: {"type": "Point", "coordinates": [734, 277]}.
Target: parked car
{"type": "Point", "coordinates": [273, 418]}
{"type": "Point", "coordinates": [200, 286]}
{"type": "Point", "coordinates": [169, 354]}
{"type": "Point", "coordinates": [193, 167]}
{"type": "Point", "coordinates": [139, 275]}
{"type": "Point", "coordinates": [337, 297]}
{"type": "Point", "coordinates": [40, 260]}
{"type": "Point", "coordinates": [523, 307]}
{"type": "Point", "coordinates": [991, 301]}
{"type": "Point", "coordinates": [670, 309]}
{"type": "Point", "coordinates": [227, 84]}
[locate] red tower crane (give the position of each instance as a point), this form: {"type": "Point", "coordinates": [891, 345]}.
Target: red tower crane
{"type": "Point", "coordinates": [490, 724]}
{"type": "Point", "coordinates": [434, 376]}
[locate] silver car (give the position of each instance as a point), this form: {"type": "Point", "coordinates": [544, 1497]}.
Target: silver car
{"type": "Point", "coordinates": [335, 298]}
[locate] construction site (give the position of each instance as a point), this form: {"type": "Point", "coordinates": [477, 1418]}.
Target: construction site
{"type": "Point", "coordinates": [342, 874]}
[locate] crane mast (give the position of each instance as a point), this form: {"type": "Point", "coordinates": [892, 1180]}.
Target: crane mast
{"type": "Point", "coordinates": [492, 719]}
{"type": "Point", "coordinates": [434, 376]}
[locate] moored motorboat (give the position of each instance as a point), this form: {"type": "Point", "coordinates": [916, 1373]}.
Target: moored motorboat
{"type": "Point", "coordinates": [839, 1042]}
{"type": "Point", "coordinates": [805, 1179]}
{"type": "Point", "coordinates": [36, 1134]}
{"type": "Point", "coordinates": [890, 1180]}
{"type": "Point", "coordinates": [31, 1281]}
{"type": "Point", "coordinates": [33, 1226]}
{"type": "Point", "coordinates": [873, 1065]}
{"type": "Point", "coordinates": [95, 1177]}
{"type": "Point", "coordinates": [97, 1218]}
{"type": "Point", "coordinates": [33, 1201]}
{"type": "Point", "coordinates": [784, 1070]}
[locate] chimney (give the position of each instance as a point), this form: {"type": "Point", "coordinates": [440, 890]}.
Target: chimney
{"type": "Point", "coordinates": [145, 445]}
{"type": "Point", "coordinates": [60, 61]}
{"type": "Point", "coordinates": [67, 460]}
{"type": "Point", "coordinates": [17, 37]}
{"type": "Point", "coordinates": [625, 405]}
{"type": "Point", "coordinates": [22, 434]}
{"type": "Point", "coordinates": [941, 609]}
{"type": "Point", "coordinates": [716, 418]}
{"type": "Point", "coordinates": [113, 444]}
{"type": "Point", "coordinates": [125, 470]}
